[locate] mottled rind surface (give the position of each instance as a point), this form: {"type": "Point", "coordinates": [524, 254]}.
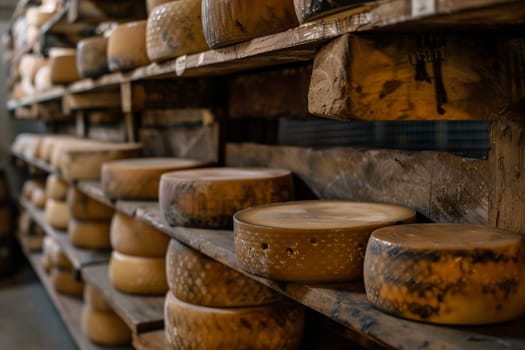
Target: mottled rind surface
{"type": "Point", "coordinates": [311, 9]}
{"type": "Point", "coordinates": [92, 59]}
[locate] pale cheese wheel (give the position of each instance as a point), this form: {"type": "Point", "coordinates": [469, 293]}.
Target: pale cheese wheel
{"type": "Point", "coordinates": [63, 69]}
{"type": "Point", "coordinates": [447, 273]}
{"type": "Point", "coordinates": [209, 197]}
{"type": "Point", "coordinates": [104, 327]}
{"type": "Point", "coordinates": [59, 146]}
{"type": "Point", "coordinates": [57, 214]}
{"type": "Point", "coordinates": [175, 29]}
{"type": "Point", "coordinates": [58, 258]}
{"type": "Point", "coordinates": [48, 247]}
{"type": "Point", "coordinates": [227, 22]}
{"type": "Point", "coordinates": [43, 79]}
{"type": "Point", "coordinates": [64, 282]}
{"type": "Point", "coordinates": [38, 198]}
{"type": "Point", "coordinates": [139, 178]}
{"type": "Point", "coordinates": [138, 275]}
{"type": "Point", "coordinates": [29, 66]}
{"type": "Point", "coordinates": [85, 208]}
{"type": "Point", "coordinates": [48, 143]}
{"type": "Point", "coordinates": [56, 188]}
{"type": "Point", "coordinates": [92, 57]}
{"type": "Point", "coordinates": [89, 234]}
{"type": "Point", "coordinates": [199, 280]}
{"type": "Point", "coordinates": [127, 46]}
{"type": "Point", "coordinates": [311, 241]}
{"type": "Point", "coordinates": [32, 35]}
{"type": "Point", "coordinates": [151, 4]}
{"type": "Point", "coordinates": [130, 236]}
{"type": "Point", "coordinates": [95, 299]}
{"type": "Point", "coordinates": [276, 326]}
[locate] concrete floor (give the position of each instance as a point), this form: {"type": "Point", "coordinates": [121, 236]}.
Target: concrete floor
{"type": "Point", "coordinates": [28, 319]}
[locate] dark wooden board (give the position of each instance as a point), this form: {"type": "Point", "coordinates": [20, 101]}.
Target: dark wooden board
{"type": "Point", "coordinates": [155, 340]}
{"type": "Point", "coordinates": [140, 313]}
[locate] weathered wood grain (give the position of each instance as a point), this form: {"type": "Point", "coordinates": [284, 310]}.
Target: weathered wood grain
{"type": "Point", "coordinates": [150, 341]}
{"type": "Point", "coordinates": [441, 186]}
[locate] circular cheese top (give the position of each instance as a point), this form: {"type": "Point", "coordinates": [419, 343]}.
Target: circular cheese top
{"type": "Point", "coordinates": [324, 215]}
{"type": "Point", "coordinates": [154, 163]}
{"type": "Point", "coordinates": [445, 236]}
{"type": "Point", "coordinates": [226, 174]}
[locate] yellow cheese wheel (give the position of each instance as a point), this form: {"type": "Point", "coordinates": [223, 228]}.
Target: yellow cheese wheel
{"type": "Point", "coordinates": [311, 241]}
{"type": "Point", "coordinates": [38, 197]}
{"type": "Point", "coordinates": [127, 46]}
{"type": "Point", "coordinates": [446, 273]}
{"type": "Point", "coordinates": [197, 279]}
{"type": "Point", "coordinates": [95, 299]}
{"type": "Point", "coordinates": [92, 57]}
{"type": "Point", "coordinates": [56, 188]}
{"type": "Point", "coordinates": [139, 178]}
{"type": "Point", "coordinates": [276, 326]}
{"type": "Point", "coordinates": [138, 275]}
{"type": "Point", "coordinates": [64, 282]}
{"type": "Point", "coordinates": [29, 186]}
{"type": "Point", "coordinates": [57, 214]}
{"type": "Point", "coordinates": [227, 22]}
{"type": "Point", "coordinates": [210, 197]}
{"type": "Point", "coordinates": [27, 145]}
{"type": "Point", "coordinates": [151, 4]}
{"type": "Point", "coordinates": [43, 79]}
{"type": "Point", "coordinates": [175, 29]}
{"type": "Point", "coordinates": [89, 234]}
{"type": "Point", "coordinates": [308, 10]}
{"type": "Point", "coordinates": [47, 265]}
{"type": "Point", "coordinates": [85, 208]}
{"type": "Point", "coordinates": [63, 69]}
{"type": "Point", "coordinates": [133, 237]}
{"type": "Point", "coordinates": [104, 327]}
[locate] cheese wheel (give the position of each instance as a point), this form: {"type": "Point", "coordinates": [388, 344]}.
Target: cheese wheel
{"type": "Point", "coordinates": [64, 282]}
{"type": "Point", "coordinates": [58, 258]}
{"type": "Point", "coordinates": [89, 234]}
{"type": "Point", "coordinates": [138, 275]}
{"type": "Point", "coordinates": [47, 265]}
{"type": "Point", "coordinates": [84, 162]}
{"type": "Point", "coordinates": [311, 241]}
{"type": "Point", "coordinates": [197, 279]}
{"type": "Point", "coordinates": [57, 214]}
{"type": "Point", "coordinates": [447, 273]}
{"type": "Point", "coordinates": [139, 178]}
{"type": "Point", "coordinates": [127, 46]}
{"type": "Point", "coordinates": [175, 29]}
{"type": "Point", "coordinates": [85, 208]}
{"type": "Point", "coordinates": [38, 198]}
{"type": "Point", "coordinates": [92, 57]}
{"type": "Point", "coordinates": [27, 145]}
{"type": "Point", "coordinates": [227, 22]}
{"type": "Point", "coordinates": [95, 299]}
{"type": "Point", "coordinates": [29, 66]}
{"type": "Point", "coordinates": [276, 326]}
{"type": "Point", "coordinates": [61, 145]}
{"type": "Point", "coordinates": [151, 4]}
{"type": "Point", "coordinates": [104, 327]}
{"type": "Point", "coordinates": [133, 237]}
{"type": "Point", "coordinates": [43, 79]}
{"type": "Point", "coordinates": [29, 186]}
{"type": "Point", "coordinates": [210, 197]}
{"type": "Point", "coordinates": [56, 188]}
{"type": "Point", "coordinates": [48, 143]}
{"type": "Point", "coordinates": [63, 68]}
{"type": "Point", "coordinates": [308, 10]}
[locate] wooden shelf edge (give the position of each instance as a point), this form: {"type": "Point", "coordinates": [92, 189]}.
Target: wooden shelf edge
{"type": "Point", "coordinates": [155, 340]}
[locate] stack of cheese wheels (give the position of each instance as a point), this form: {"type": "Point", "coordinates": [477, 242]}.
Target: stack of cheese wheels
{"type": "Point", "coordinates": [227, 22]}
{"type": "Point", "coordinates": [38, 196]}
{"type": "Point", "coordinates": [209, 197]}
{"type": "Point", "coordinates": [138, 262]}
{"type": "Point", "coordinates": [211, 306]}
{"type": "Point", "coordinates": [127, 46]}
{"type": "Point", "coordinates": [308, 10]}
{"type": "Point", "coordinates": [56, 208]}
{"type": "Point", "coordinates": [100, 323]}
{"type": "Point", "coordinates": [59, 266]}
{"type": "Point", "coordinates": [63, 66]}
{"type": "Point", "coordinates": [139, 178]}
{"type": "Point", "coordinates": [311, 241]}
{"type": "Point", "coordinates": [446, 273]}
{"type": "Point", "coordinates": [175, 29]}
{"type": "Point", "coordinates": [90, 221]}
{"type": "Point", "coordinates": [92, 57]}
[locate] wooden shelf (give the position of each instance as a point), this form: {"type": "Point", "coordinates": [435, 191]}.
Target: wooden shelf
{"type": "Point", "coordinates": [140, 313]}
{"type": "Point", "coordinates": [69, 308]}
{"type": "Point", "coordinates": [150, 341]}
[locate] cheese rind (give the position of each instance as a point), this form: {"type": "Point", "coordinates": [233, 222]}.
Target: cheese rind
{"type": "Point", "coordinates": [133, 237]}
{"type": "Point", "coordinates": [208, 198]}
{"type": "Point", "coordinates": [104, 327]}
{"type": "Point", "coordinates": [64, 282]}
{"type": "Point", "coordinates": [276, 326]}
{"type": "Point", "coordinates": [308, 10]}
{"type": "Point", "coordinates": [95, 299]}
{"type": "Point", "coordinates": [92, 57]}
{"type": "Point", "coordinates": [57, 214]}
{"type": "Point", "coordinates": [38, 197]}
{"type": "Point", "coordinates": [56, 188]}
{"type": "Point", "coordinates": [138, 275]}
{"type": "Point", "coordinates": [446, 273]}
{"type": "Point", "coordinates": [85, 208]}
{"type": "Point", "coordinates": [63, 69]}
{"type": "Point", "coordinates": [197, 279]}
{"type": "Point", "coordinates": [89, 234]}
{"type": "Point", "coordinates": [311, 241]}
{"type": "Point", "coordinates": [127, 46]}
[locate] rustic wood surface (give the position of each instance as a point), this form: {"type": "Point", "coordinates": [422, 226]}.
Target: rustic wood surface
{"type": "Point", "coordinates": [155, 340]}
{"type": "Point", "coordinates": [140, 313]}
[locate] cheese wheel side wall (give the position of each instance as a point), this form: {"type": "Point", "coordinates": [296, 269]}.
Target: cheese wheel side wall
{"type": "Point", "coordinates": [63, 69]}
{"type": "Point", "coordinates": [137, 275]}
{"type": "Point", "coordinates": [104, 327]}
{"type": "Point", "coordinates": [84, 208]}
{"type": "Point", "coordinates": [64, 282]}
{"type": "Point", "coordinates": [95, 299]}
{"type": "Point", "coordinates": [127, 46]}
{"type": "Point", "coordinates": [89, 234]}
{"type": "Point", "coordinates": [56, 188]}
{"type": "Point", "coordinates": [92, 57]}
{"type": "Point", "coordinates": [57, 214]}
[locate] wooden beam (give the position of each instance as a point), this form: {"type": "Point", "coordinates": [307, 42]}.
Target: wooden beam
{"type": "Point", "coordinates": [401, 77]}
{"type": "Point", "coordinates": [91, 100]}
{"type": "Point", "coordinates": [441, 186]}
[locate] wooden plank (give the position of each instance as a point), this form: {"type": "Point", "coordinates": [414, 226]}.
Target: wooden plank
{"type": "Point", "coordinates": [441, 186]}
{"type": "Point", "coordinates": [38, 163]}
{"type": "Point", "coordinates": [150, 341]}
{"type": "Point", "coordinates": [94, 190]}
{"type": "Point", "coordinates": [140, 313]}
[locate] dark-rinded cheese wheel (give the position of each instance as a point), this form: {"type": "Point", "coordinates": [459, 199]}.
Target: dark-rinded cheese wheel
{"type": "Point", "coordinates": [311, 241]}
{"type": "Point", "coordinates": [92, 57]}
{"type": "Point", "coordinates": [277, 326]}
{"type": "Point", "coordinates": [197, 279]}
{"type": "Point", "coordinates": [209, 197]}
{"type": "Point", "coordinates": [127, 46]}
{"type": "Point", "coordinates": [227, 22]}
{"type": "Point", "coordinates": [63, 67]}
{"type": "Point", "coordinates": [446, 273]}
{"type": "Point", "coordinates": [308, 10]}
